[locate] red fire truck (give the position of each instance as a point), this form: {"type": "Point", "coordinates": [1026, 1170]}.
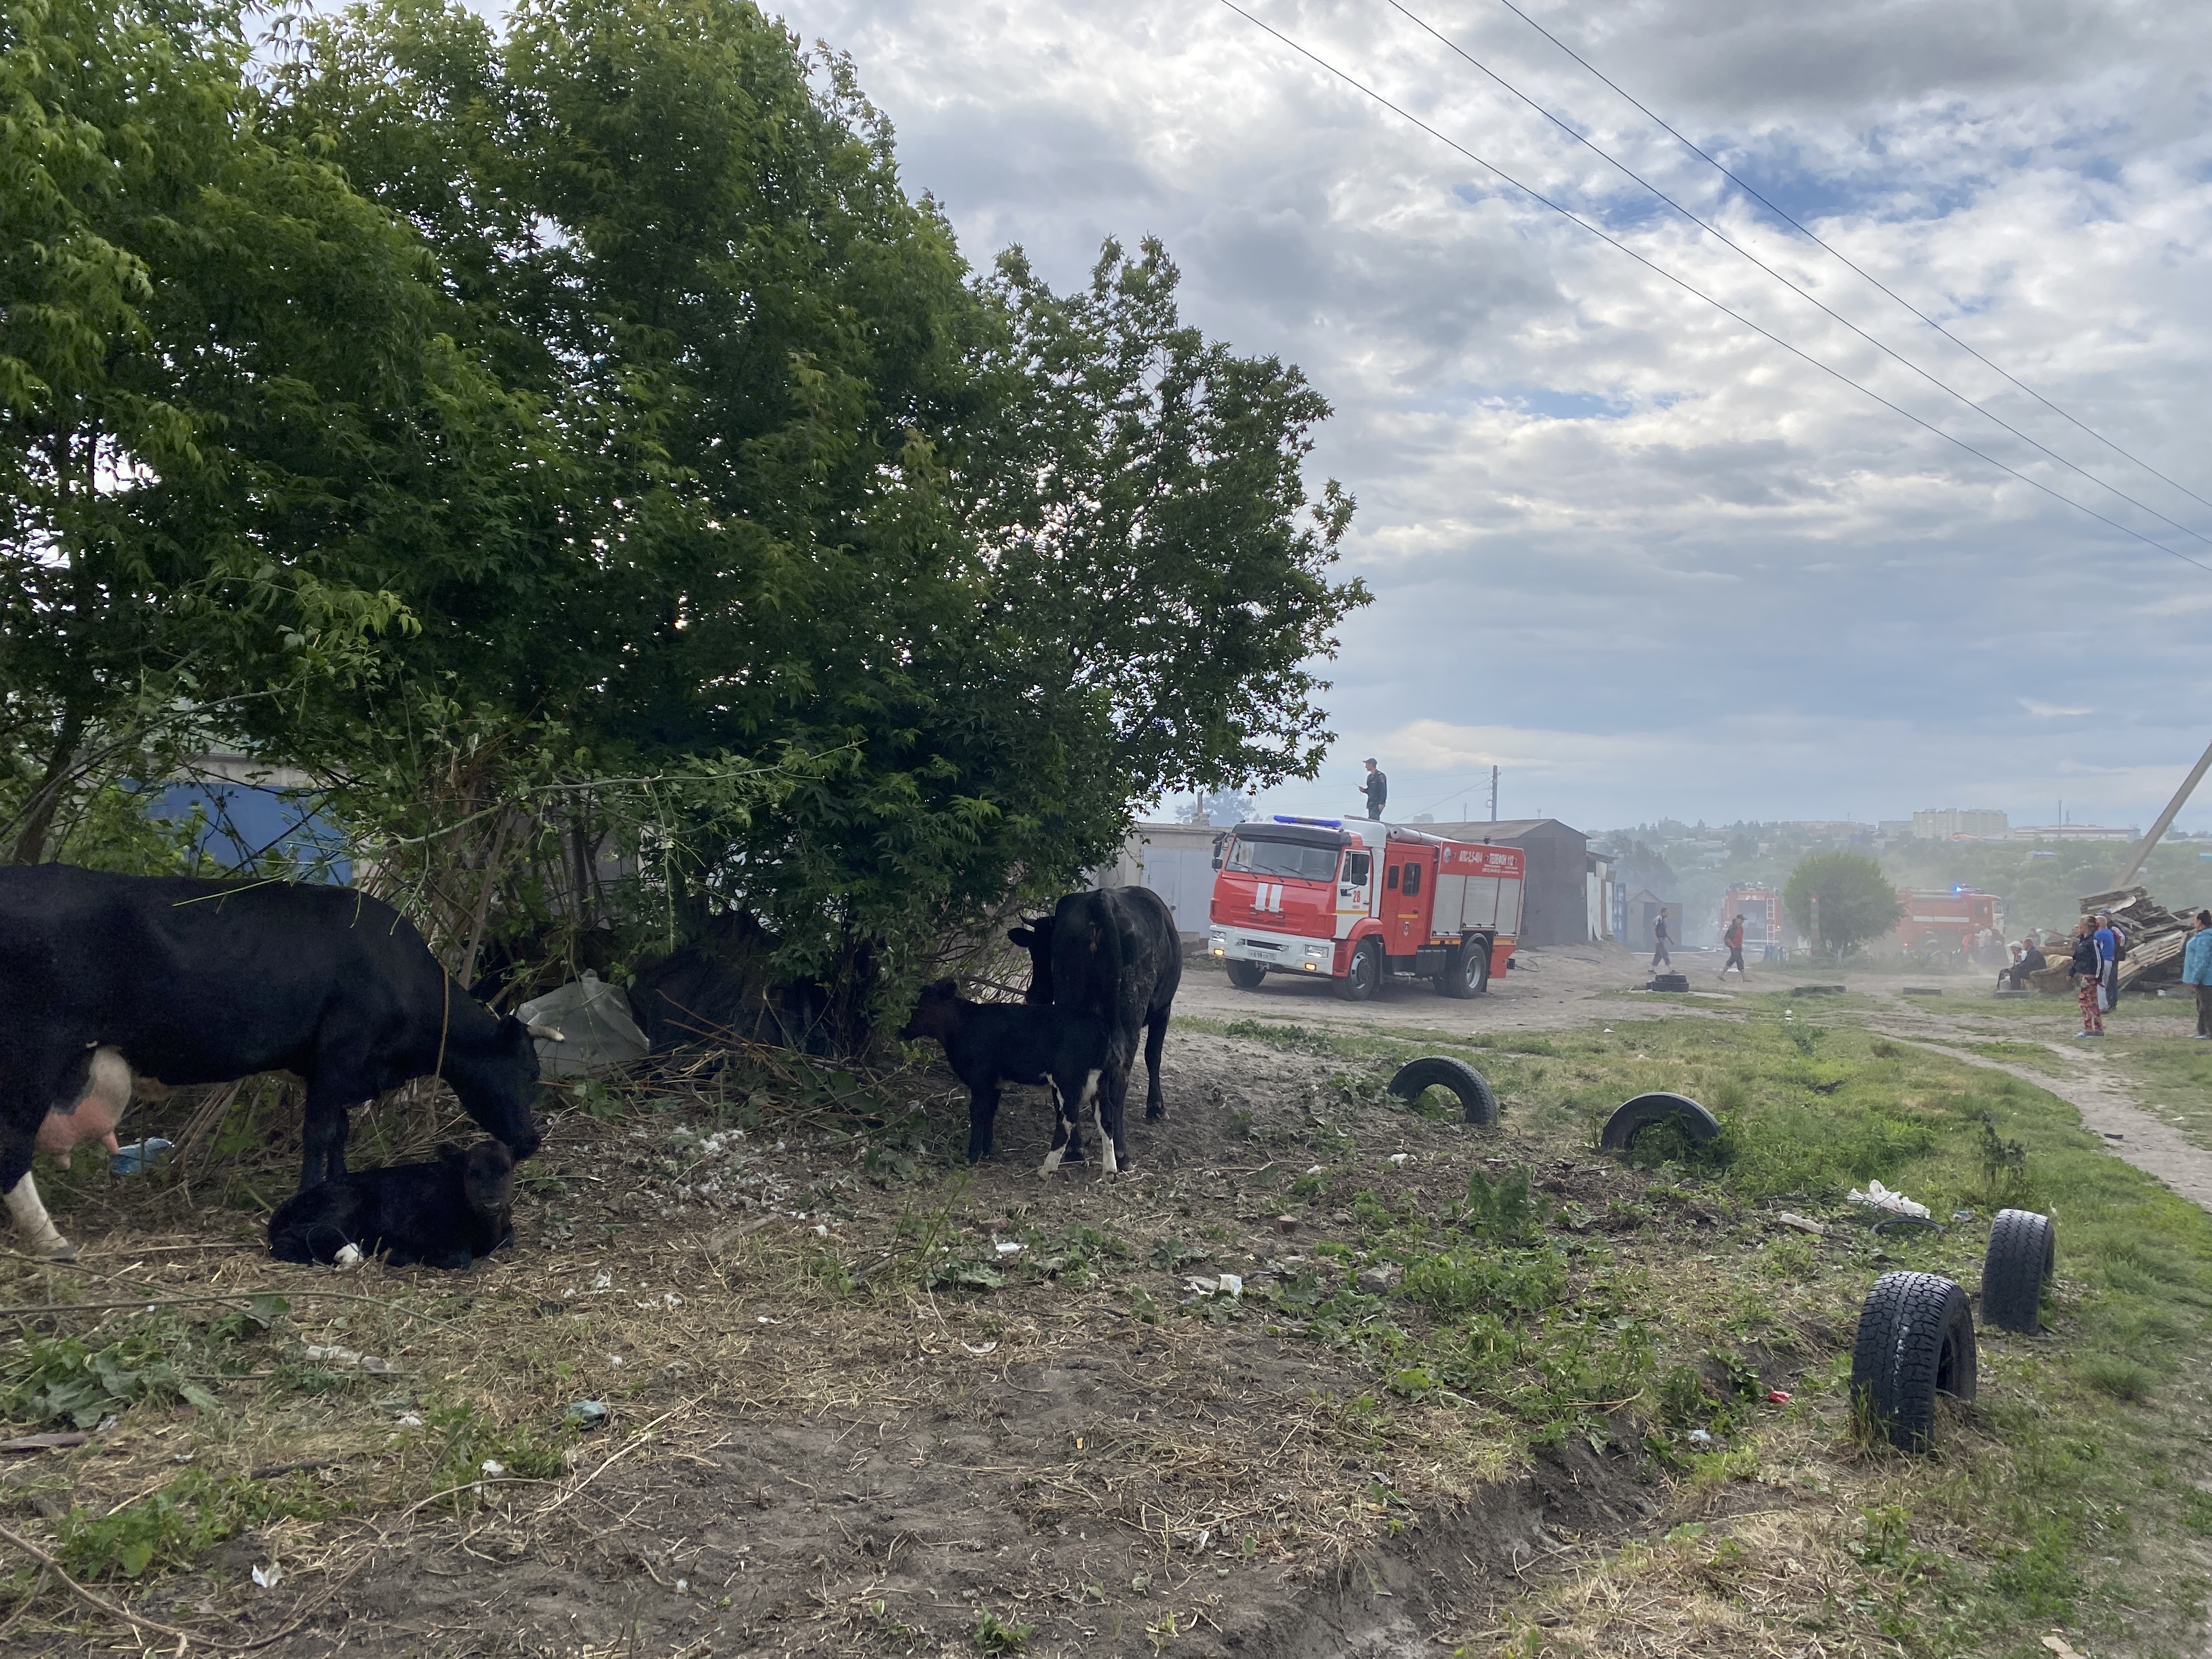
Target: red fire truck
{"type": "Point", "coordinates": [1310, 897]}
{"type": "Point", "coordinates": [1944, 922]}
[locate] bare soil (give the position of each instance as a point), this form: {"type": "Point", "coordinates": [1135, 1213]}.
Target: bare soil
{"type": "Point", "coordinates": [791, 1469]}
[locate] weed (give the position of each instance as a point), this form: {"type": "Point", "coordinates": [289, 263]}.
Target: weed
{"type": "Point", "coordinates": [57, 1376]}
{"type": "Point", "coordinates": [2004, 1164]}
{"type": "Point", "coordinates": [1504, 1210]}
{"type": "Point", "coordinates": [1457, 1282]}
{"type": "Point", "coordinates": [2114, 1374]}
{"type": "Point", "coordinates": [470, 1442]}
{"type": "Point", "coordinates": [994, 1635]}
{"type": "Point", "coordinates": [171, 1527]}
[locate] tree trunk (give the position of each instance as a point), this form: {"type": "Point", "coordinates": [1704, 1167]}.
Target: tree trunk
{"type": "Point", "coordinates": [30, 839]}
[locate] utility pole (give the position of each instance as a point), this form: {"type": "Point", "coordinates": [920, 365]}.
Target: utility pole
{"type": "Point", "coordinates": [1493, 794]}
{"type": "Point", "coordinates": [2165, 818]}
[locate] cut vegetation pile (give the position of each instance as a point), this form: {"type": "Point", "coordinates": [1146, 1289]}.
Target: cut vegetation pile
{"type": "Point", "coordinates": [1335, 1369]}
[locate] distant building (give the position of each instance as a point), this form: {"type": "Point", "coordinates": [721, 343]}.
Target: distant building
{"type": "Point", "coordinates": [1643, 907]}
{"type": "Point", "coordinates": [1599, 896]}
{"type": "Point", "coordinates": [1940, 823]}
{"type": "Point", "coordinates": [2069, 832]}
{"type": "Point", "coordinates": [1832, 828]}
{"type": "Point", "coordinates": [1894, 829]}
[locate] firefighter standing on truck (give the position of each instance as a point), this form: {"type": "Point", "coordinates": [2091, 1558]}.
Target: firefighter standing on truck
{"type": "Point", "coordinates": [1377, 789]}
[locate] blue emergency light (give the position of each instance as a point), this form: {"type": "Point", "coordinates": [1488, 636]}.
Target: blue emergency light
{"type": "Point", "coordinates": [1321, 824]}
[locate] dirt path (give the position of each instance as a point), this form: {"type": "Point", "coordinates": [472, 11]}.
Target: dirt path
{"type": "Point", "coordinates": [1550, 989]}
{"type": "Point", "coordinates": [2090, 1083]}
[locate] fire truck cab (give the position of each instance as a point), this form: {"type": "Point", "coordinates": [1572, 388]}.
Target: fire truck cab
{"type": "Point", "coordinates": [1313, 898]}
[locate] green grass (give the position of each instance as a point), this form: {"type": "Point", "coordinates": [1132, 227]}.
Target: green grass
{"type": "Point", "coordinates": [2053, 1505]}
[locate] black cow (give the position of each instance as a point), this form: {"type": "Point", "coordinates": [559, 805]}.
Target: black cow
{"type": "Point", "coordinates": [990, 1044]}
{"type": "Point", "coordinates": [447, 1214]}
{"type": "Point", "coordinates": [1115, 954]}
{"type": "Point", "coordinates": [182, 981]}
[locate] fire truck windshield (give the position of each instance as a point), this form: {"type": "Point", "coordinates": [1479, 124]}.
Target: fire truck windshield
{"type": "Point", "coordinates": [1283, 858]}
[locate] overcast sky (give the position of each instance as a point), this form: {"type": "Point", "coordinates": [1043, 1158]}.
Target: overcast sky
{"type": "Point", "coordinates": [1645, 562]}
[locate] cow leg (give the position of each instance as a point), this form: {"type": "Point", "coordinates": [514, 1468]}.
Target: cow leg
{"type": "Point", "coordinates": [1109, 1136]}
{"type": "Point", "coordinates": [1156, 1036]}
{"type": "Point", "coordinates": [1069, 1097]}
{"type": "Point", "coordinates": [322, 1142]}
{"type": "Point", "coordinates": [37, 1227]}
{"type": "Point", "coordinates": [982, 1113]}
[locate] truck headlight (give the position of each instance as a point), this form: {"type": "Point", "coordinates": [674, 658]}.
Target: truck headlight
{"type": "Point", "coordinates": [1217, 943]}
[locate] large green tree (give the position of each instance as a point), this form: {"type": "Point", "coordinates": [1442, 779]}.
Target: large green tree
{"type": "Point", "coordinates": [533, 431]}
{"type": "Point", "coordinates": [1840, 899]}
{"type": "Point", "coordinates": [1007, 563]}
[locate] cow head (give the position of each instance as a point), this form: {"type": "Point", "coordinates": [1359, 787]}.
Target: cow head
{"type": "Point", "coordinates": [936, 1015]}
{"type": "Point", "coordinates": [1035, 936]}
{"type": "Point", "coordinates": [514, 1063]}
{"type": "Point", "coordinates": [487, 1178]}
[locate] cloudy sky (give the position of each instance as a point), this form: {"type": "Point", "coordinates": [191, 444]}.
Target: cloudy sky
{"type": "Point", "coordinates": [1646, 562]}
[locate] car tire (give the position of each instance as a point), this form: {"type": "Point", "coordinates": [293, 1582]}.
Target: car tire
{"type": "Point", "coordinates": [2023, 1255]}
{"type": "Point", "coordinates": [1476, 1097]}
{"type": "Point", "coordinates": [1469, 973]}
{"type": "Point", "coordinates": [1916, 1340]}
{"type": "Point", "coordinates": [1365, 975]}
{"type": "Point", "coordinates": [1247, 975]}
{"type": "Point", "coordinates": [1635, 1117]}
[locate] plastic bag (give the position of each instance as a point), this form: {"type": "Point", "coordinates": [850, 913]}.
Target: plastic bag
{"type": "Point", "coordinates": [1884, 1198]}
{"type": "Point", "coordinates": [595, 1020]}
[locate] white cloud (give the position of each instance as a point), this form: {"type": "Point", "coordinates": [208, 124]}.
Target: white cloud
{"type": "Point", "coordinates": [1605, 526]}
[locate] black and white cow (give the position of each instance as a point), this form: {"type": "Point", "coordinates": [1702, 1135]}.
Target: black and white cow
{"type": "Point", "coordinates": [1114, 954]}
{"type": "Point", "coordinates": [988, 1043]}
{"type": "Point", "coordinates": [107, 981]}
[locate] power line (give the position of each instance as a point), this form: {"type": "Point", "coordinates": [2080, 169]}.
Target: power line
{"type": "Point", "coordinates": [1794, 287]}
{"type": "Point", "coordinates": [1852, 264]}
{"type": "Point", "coordinates": [1737, 317]}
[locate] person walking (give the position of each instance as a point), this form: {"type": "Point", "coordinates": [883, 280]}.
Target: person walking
{"type": "Point", "coordinates": [1377, 789]}
{"type": "Point", "coordinates": [2196, 972]}
{"type": "Point", "coordinates": [1734, 939]}
{"type": "Point", "coordinates": [2088, 970]}
{"type": "Point", "coordinates": [1659, 957]}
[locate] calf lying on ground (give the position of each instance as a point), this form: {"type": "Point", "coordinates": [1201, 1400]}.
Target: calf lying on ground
{"type": "Point", "coordinates": [447, 1214]}
{"type": "Point", "coordinates": [990, 1044]}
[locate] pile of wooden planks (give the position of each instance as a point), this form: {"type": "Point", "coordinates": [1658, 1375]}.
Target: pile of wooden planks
{"type": "Point", "coordinates": [2156, 939]}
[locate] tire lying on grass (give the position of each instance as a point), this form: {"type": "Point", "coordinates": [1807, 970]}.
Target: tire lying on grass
{"type": "Point", "coordinates": [1916, 1340]}
{"type": "Point", "coordinates": [1640, 1113]}
{"type": "Point", "coordinates": [1442, 1072]}
{"type": "Point", "coordinates": [2023, 1256]}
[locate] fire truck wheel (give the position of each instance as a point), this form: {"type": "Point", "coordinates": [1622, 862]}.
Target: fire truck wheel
{"type": "Point", "coordinates": [1247, 975]}
{"type": "Point", "coordinates": [1365, 974]}
{"type": "Point", "coordinates": [1442, 1072]}
{"type": "Point", "coordinates": [1469, 975]}
{"type": "Point", "coordinates": [2023, 1250]}
{"type": "Point", "coordinates": [1916, 1340]}
{"type": "Point", "coordinates": [1640, 1113]}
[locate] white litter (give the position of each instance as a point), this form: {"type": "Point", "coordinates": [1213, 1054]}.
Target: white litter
{"type": "Point", "coordinates": [1232, 1285]}
{"type": "Point", "coordinates": [268, 1576]}
{"type": "Point", "coordinates": [1399, 1158]}
{"type": "Point", "coordinates": [1700, 1437]}
{"type": "Point", "coordinates": [1316, 1169]}
{"type": "Point", "coordinates": [409, 1420]}
{"type": "Point", "coordinates": [1007, 1246]}
{"type": "Point", "coordinates": [988, 1347]}
{"type": "Point", "coordinates": [493, 1466]}
{"type": "Point", "coordinates": [1881, 1198]}
{"type": "Point", "coordinates": [334, 1356]}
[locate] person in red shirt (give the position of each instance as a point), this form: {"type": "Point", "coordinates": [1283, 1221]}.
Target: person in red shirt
{"type": "Point", "coordinates": [1734, 939]}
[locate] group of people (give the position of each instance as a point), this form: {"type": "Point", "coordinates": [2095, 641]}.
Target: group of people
{"type": "Point", "coordinates": [2093, 956]}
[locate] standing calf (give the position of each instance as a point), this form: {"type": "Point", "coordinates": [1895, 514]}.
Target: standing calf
{"type": "Point", "coordinates": [990, 1044]}
{"type": "Point", "coordinates": [447, 1214]}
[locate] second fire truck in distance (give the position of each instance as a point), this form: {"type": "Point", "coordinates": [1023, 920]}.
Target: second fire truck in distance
{"type": "Point", "coordinates": [1313, 898]}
